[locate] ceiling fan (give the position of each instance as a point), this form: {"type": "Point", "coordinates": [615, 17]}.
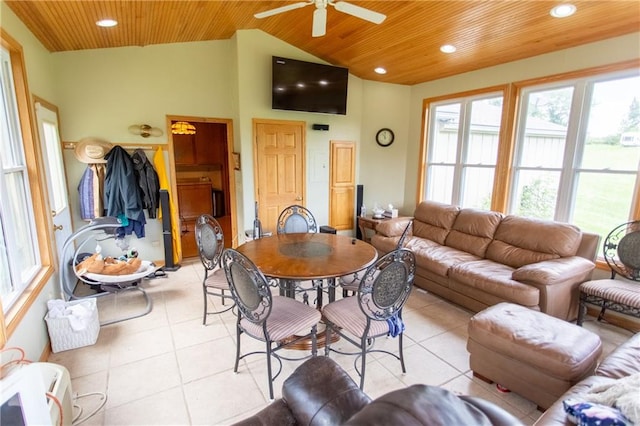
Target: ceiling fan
{"type": "Point", "coordinates": [320, 14]}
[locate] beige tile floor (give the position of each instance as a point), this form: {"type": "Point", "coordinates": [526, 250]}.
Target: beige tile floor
{"type": "Point", "coordinates": [167, 368]}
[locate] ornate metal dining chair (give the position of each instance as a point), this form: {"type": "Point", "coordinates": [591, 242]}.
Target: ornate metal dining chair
{"type": "Point", "coordinates": [621, 292]}
{"type": "Point", "coordinates": [271, 319]}
{"type": "Point", "coordinates": [375, 311]}
{"type": "Point", "coordinates": [351, 283]}
{"type": "Point", "coordinates": [210, 242]}
{"type": "Point", "coordinates": [296, 218]}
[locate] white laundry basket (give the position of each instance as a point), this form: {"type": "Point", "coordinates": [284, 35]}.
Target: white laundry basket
{"type": "Point", "coordinates": [64, 337]}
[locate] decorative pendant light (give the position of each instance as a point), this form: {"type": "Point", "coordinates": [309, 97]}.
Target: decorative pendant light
{"type": "Point", "coordinates": [183, 128]}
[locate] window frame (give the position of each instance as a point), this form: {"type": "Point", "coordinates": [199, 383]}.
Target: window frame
{"type": "Point", "coordinates": [42, 221]}
{"type": "Point", "coordinates": [595, 74]}
{"type": "Point", "coordinates": [428, 106]}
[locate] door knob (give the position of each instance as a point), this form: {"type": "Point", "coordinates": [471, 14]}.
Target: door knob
{"type": "Point", "coordinates": [57, 228]}
{"type": "Point", "coordinates": [298, 198]}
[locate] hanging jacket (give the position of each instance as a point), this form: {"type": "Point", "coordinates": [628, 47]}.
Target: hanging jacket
{"type": "Point", "coordinates": [147, 181]}
{"type": "Point", "coordinates": [121, 191]}
{"type": "Point", "coordinates": [91, 192]}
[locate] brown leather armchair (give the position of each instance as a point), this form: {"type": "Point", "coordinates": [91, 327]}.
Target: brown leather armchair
{"type": "Point", "coordinates": [320, 392]}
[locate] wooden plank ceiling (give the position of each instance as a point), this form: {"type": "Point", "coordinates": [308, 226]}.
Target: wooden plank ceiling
{"type": "Point", "coordinates": [407, 43]}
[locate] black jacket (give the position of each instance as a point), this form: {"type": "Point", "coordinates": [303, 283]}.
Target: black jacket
{"type": "Point", "coordinates": [147, 181]}
{"type": "Point", "coordinates": [121, 190]}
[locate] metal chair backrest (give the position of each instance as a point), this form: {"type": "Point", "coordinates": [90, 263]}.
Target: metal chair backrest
{"type": "Point", "coordinates": [404, 234]}
{"type": "Point", "coordinates": [385, 287]}
{"type": "Point", "coordinates": [249, 287]}
{"type": "Point", "coordinates": [296, 219]}
{"type": "Point", "coordinates": [210, 241]}
{"type": "Point", "coordinates": [622, 250]}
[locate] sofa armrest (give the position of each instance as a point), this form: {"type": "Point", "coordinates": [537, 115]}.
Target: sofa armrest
{"type": "Point", "coordinates": [555, 271]}
{"type": "Point", "coordinates": [319, 392]}
{"type": "Point", "coordinates": [558, 281]}
{"type": "Point", "coordinates": [393, 227]}
{"type": "Point", "coordinates": [623, 361]}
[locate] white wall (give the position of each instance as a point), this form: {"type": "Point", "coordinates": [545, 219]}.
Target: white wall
{"type": "Point", "coordinates": [255, 50]}
{"type": "Point", "coordinates": [382, 169]}
{"type": "Point", "coordinates": [102, 92]}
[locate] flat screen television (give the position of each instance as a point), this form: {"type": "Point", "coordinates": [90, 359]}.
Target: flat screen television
{"type": "Point", "coordinates": [307, 86]}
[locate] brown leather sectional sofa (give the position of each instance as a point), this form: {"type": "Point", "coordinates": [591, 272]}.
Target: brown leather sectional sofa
{"type": "Point", "coordinates": [622, 362]}
{"type": "Point", "coordinates": [320, 392]}
{"type": "Point", "coordinates": [478, 258]}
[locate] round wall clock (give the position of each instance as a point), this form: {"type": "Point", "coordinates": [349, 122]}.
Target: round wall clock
{"type": "Point", "coordinates": [385, 137]}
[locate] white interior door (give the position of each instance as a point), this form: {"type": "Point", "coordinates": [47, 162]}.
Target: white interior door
{"type": "Point", "coordinates": [47, 117]}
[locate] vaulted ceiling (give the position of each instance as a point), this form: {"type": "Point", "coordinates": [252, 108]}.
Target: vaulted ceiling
{"type": "Point", "coordinates": [407, 43]}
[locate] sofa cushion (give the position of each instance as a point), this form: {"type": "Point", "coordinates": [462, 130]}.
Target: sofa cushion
{"type": "Point", "coordinates": [434, 220]}
{"type": "Point", "coordinates": [520, 241]}
{"type": "Point", "coordinates": [429, 405]}
{"type": "Point", "coordinates": [436, 258]}
{"type": "Point", "coordinates": [493, 278]}
{"type": "Point", "coordinates": [473, 230]}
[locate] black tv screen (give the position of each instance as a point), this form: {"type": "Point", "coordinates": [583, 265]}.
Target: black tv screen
{"type": "Point", "coordinates": [306, 86]}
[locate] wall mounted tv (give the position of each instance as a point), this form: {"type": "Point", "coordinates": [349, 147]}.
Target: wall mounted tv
{"type": "Point", "coordinates": [306, 86]}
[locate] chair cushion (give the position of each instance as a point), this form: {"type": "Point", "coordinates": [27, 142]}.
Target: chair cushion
{"type": "Point", "coordinates": [620, 291]}
{"type": "Point", "coordinates": [217, 279]}
{"type": "Point", "coordinates": [346, 314]}
{"type": "Point", "coordinates": [288, 316]}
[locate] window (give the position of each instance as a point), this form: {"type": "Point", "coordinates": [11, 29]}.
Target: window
{"type": "Point", "coordinates": [16, 210]}
{"type": "Point", "coordinates": [26, 256]}
{"type": "Point", "coordinates": [576, 151]}
{"type": "Point", "coordinates": [462, 149]}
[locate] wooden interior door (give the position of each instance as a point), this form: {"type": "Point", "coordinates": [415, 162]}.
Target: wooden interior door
{"type": "Point", "coordinates": [342, 185]}
{"type": "Point", "coordinates": [279, 168]}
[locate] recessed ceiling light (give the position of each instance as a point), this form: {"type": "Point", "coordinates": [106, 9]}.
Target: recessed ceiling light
{"type": "Point", "coordinates": [563, 10]}
{"type": "Point", "coordinates": [448, 48]}
{"type": "Point", "coordinates": [323, 83]}
{"type": "Point", "coordinates": [380, 70]}
{"type": "Point", "coordinates": [107, 23]}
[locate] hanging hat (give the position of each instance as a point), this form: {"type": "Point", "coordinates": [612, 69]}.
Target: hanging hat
{"type": "Point", "coordinates": [92, 150]}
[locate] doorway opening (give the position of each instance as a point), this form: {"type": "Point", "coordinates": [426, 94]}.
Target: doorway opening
{"type": "Point", "coordinates": [201, 158]}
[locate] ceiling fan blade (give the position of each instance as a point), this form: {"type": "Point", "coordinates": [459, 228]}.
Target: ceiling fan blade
{"type": "Point", "coordinates": [359, 12]}
{"type": "Point", "coordinates": [319, 22]}
{"type": "Point", "coordinates": [282, 9]}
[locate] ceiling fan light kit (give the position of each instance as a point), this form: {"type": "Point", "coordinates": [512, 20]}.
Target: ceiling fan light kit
{"type": "Point", "coordinates": [319, 27]}
{"type": "Point", "coordinates": [144, 130]}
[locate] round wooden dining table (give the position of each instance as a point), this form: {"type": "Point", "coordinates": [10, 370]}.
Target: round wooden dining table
{"type": "Point", "coordinates": [309, 256]}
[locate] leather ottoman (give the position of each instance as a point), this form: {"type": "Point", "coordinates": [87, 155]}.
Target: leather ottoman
{"type": "Point", "coordinates": [531, 353]}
